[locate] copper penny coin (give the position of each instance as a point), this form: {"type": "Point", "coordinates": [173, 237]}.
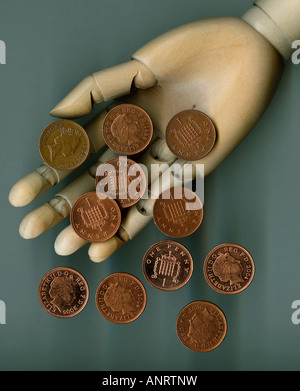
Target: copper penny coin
{"type": "Point", "coordinates": [122, 179]}
{"type": "Point", "coordinates": [229, 268]}
{"type": "Point", "coordinates": [178, 212]}
{"type": "Point", "coordinates": [201, 326]}
{"type": "Point", "coordinates": [127, 129]}
{"type": "Point", "coordinates": [95, 219]}
{"type": "Point", "coordinates": [64, 145]}
{"type": "Point", "coordinates": [63, 292]}
{"type": "Point", "coordinates": [190, 135]}
{"type": "Point", "coordinates": [167, 265]}
{"type": "Point", "coordinates": [121, 298]}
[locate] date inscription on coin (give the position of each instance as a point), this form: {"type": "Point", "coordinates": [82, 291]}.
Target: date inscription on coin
{"type": "Point", "coordinates": [190, 135]}
{"type": "Point", "coordinates": [121, 298]}
{"type": "Point", "coordinates": [63, 292]}
{"type": "Point", "coordinates": [201, 326]}
{"type": "Point", "coordinates": [127, 129]}
{"type": "Point", "coordinates": [229, 268]}
{"type": "Point", "coordinates": [167, 265]}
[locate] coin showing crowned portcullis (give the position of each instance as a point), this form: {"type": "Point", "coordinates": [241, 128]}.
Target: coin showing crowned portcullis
{"type": "Point", "coordinates": [63, 292]}
{"type": "Point", "coordinates": [95, 219]}
{"type": "Point", "coordinates": [229, 268]}
{"type": "Point", "coordinates": [190, 135]}
{"type": "Point", "coordinates": [64, 145]}
{"type": "Point", "coordinates": [122, 179]}
{"type": "Point", "coordinates": [201, 326]}
{"type": "Point", "coordinates": [121, 298]}
{"type": "Point", "coordinates": [178, 212]}
{"type": "Point", "coordinates": [127, 129]}
{"type": "Point", "coordinates": [167, 265]}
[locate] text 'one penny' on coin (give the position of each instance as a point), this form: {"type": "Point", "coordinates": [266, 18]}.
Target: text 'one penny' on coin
{"type": "Point", "coordinates": [201, 326]}
{"type": "Point", "coordinates": [190, 135]}
{"type": "Point", "coordinates": [64, 145]}
{"type": "Point", "coordinates": [63, 292]}
{"type": "Point", "coordinates": [229, 268]}
{"type": "Point", "coordinates": [178, 212]}
{"type": "Point", "coordinates": [127, 129]}
{"type": "Point", "coordinates": [122, 179]}
{"type": "Point", "coordinates": [121, 298]}
{"type": "Point", "coordinates": [95, 219]}
{"type": "Point", "coordinates": [167, 265]}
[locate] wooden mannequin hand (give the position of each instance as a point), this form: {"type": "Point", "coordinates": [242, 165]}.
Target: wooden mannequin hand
{"type": "Point", "coordinates": [220, 66]}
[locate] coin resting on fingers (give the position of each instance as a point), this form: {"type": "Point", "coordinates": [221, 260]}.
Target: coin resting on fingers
{"type": "Point", "coordinates": [127, 129]}
{"type": "Point", "coordinates": [64, 145]}
{"type": "Point", "coordinates": [95, 219]}
{"type": "Point", "coordinates": [178, 212]}
{"type": "Point", "coordinates": [122, 179]}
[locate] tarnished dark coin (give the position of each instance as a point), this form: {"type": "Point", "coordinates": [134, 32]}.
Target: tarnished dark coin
{"type": "Point", "coordinates": [201, 326]}
{"type": "Point", "coordinates": [229, 268]}
{"type": "Point", "coordinates": [121, 298]}
{"type": "Point", "coordinates": [64, 145]}
{"type": "Point", "coordinates": [167, 265]}
{"type": "Point", "coordinates": [95, 219]}
{"type": "Point", "coordinates": [190, 135]}
{"type": "Point", "coordinates": [122, 179]}
{"type": "Point", "coordinates": [178, 212]}
{"type": "Point", "coordinates": [127, 129]}
{"type": "Point", "coordinates": [63, 292]}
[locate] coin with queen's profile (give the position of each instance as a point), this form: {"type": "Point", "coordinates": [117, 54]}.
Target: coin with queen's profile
{"type": "Point", "coordinates": [201, 326]}
{"type": "Point", "coordinates": [229, 268]}
{"type": "Point", "coordinates": [63, 292]}
{"type": "Point", "coordinates": [127, 129]}
{"type": "Point", "coordinates": [121, 298]}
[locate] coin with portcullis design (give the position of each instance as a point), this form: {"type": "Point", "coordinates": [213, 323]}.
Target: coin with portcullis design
{"type": "Point", "coordinates": [167, 265]}
{"type": "Point", "coordinates": [95, 219]}
{"type": "Point", "coordinates": [122, 179]}
{"type": "Point", "coordinates": [63, 292]}
{"type": "Point", "coordinates": [229, 268]}
{"type": "Point", "coordinates": [127, 129]}
{"type": "Point", "coordinates": [190, 135]}
{"type": "Point", "coordinates": [64, 145]}
{"type": "Point", "coordinates": [178, 212]}
{"type": "Point", "coordinates": [121, 298]}
{"type": "Point", "coordinates": [201, 326]}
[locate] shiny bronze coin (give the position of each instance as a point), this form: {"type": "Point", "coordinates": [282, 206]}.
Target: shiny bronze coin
{"type": "Point", "coordinates": [229, 268]}
{"type": "Point", "coordinates": [167, 265]}
{"type": "Point", "coordinates": [201, 326]}
{"type": "Point", "coordinates": [190, 135]}
{"type": "Point", "coordinates": [63, 292]}
{"type": "Point", "coordinates": [64, 145]}
{"type": "Point", "coordinates": [95, 219]}
{"type": "Point", "coordinates": [121, 298]}
{"type": "Point", "coordinates": [178, 212]}
{"type": "Point", "coordinates": [122, 179]}
{"type": "Point", "coordinates": [127, 129]}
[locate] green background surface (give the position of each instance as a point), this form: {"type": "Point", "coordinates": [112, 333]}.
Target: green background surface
{"type": "Point", "coordinates": [251, 199]}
